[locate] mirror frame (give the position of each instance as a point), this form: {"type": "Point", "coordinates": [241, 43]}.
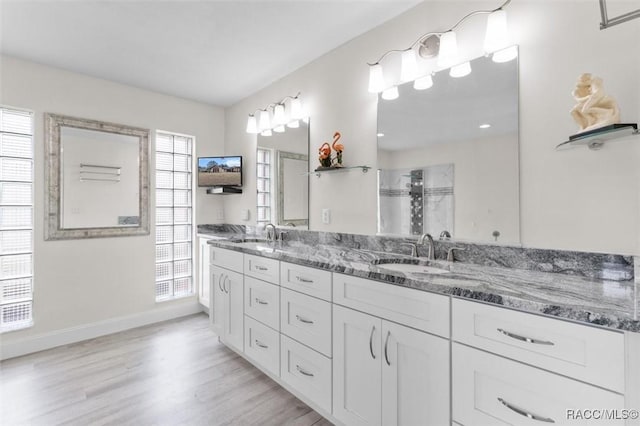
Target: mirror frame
{"type": "Point", "coordinates": [53, 184]}
{"type": "Point", "coordinates": [282, 221]}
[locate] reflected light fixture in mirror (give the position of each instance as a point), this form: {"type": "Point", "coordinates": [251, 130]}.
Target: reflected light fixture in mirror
{"type": "Point", "coordinates": [274, 117]}
{"type": "Point", "coordinates": [444, 45]}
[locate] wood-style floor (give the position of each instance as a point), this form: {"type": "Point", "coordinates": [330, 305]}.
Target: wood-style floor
{"type": "Point", "coordinates": [171, 373]}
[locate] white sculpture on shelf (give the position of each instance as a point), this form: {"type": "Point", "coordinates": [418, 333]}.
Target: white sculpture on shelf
{"type": "Point", "coordinates": [594, 109]}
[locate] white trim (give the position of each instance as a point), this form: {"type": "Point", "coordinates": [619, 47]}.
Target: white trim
{"type": "Point", "coordinates": [79, 333]}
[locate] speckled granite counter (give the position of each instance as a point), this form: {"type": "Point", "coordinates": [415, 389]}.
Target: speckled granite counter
{"type": "Point", "coordinates": [611, 304]}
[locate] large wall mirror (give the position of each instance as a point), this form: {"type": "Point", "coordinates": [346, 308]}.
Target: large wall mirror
{"type": "Point", "coordinates": [283, 178]}
{"type": "Point", "coordinates": [97, 179]}
{"type": "Point", "coordinates": [448, 157]}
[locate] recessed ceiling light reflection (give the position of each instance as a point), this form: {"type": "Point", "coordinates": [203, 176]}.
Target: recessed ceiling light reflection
{"type": "Point", "coordinates": [484, 126]}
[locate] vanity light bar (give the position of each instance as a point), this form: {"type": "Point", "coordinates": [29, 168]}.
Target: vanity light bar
{"type": "Point", "coordinates": [277, 117]}
{"type": "Point", "coordinates": [444, 45]}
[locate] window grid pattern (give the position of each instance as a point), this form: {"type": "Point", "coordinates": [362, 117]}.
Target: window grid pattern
{"type": "Point", "coordinates": [174, 216]}
{"type": "Point", "coordinates": [16, 219]}
{"type": "Point", "coordinates": [263, 182]}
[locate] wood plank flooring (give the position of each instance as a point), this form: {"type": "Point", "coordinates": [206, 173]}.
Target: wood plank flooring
{"type": "Point", "coordinates": [171, 373]}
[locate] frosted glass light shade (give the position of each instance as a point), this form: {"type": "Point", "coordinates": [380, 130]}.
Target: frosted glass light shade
{"type": "Point", "coordinates": [265, 122]}
{"type": "Point", "coordinates": [266, 132]}
{"type": "Point", "coordinates": [497, 35]}
{"type": "Point", "coordinates": [252, 125]}
{"type": "Point", "coordinates": [278, 115]}
{"type": "Point", "coordinates": [460, 70]}
{"type": "Point", "coordinates": [296, 109]}
{"type": "Point", "coordinates": [279, 129]}
{"type": "Point", "coordinates": [423, 82]}
{"type": "Point", "coordinates": [448, 50]}
{"type": "Point", "coordinates": [505, 55]}
{"type": "Point", "coordinates": [409, 66]}
{"type": "Point", "coordinates": [376, 79]}
{"type": "Point", "coordinates": [391, 93]}
{"type": "Point", "coordinates": [294, 124]}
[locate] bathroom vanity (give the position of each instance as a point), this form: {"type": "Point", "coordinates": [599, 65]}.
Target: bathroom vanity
{"type": "Point", "coordinates": [376, 338]}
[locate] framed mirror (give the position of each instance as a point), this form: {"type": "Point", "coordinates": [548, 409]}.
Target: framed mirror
{"type": "Point", "coordinates": [448, 157]}
{"type": "Point", "coordinates": [283, 178]}
{"type": "Point", "coordinates": [97, 179]}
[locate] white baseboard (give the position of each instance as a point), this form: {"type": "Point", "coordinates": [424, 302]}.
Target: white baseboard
{"type": "Point", "coordinates": [66, 336]}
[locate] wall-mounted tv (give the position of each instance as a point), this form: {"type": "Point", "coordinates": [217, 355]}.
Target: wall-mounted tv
{"type": "Point", "coordinates": [220, 171]}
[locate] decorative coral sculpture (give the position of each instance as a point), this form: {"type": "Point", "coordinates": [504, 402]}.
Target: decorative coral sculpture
{"type": "Point", "coordinates": [594, 109]}
{"type": "Point", "coordinates": [338, 148]}
{"type": "Point", "coordinates": [324, 155]}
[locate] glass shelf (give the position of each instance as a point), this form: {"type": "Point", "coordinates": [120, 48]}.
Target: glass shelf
{"type": "Point", "coordinates": [595, 139]}
{"type": "Point", "coordinates": [319, 171]}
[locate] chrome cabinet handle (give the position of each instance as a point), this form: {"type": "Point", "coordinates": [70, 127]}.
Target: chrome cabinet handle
{"type": "Point", "coordinates": [261, 302]}
{"type": "Point", "coordinates": [386, 347]}
{"type": "Point", "coordinates": [219, 285]}
{"type": "Point", "coordinates": [525, 413]}
{"type": "Point", "coordinates": [302, 371]}
{"type": "Point", "coordinates": [224, 283]}
{"type": "Point", "coordinates": [524, 338]}
{"type": "Point", "coordinates": [303, 280]}
{"type": "Point", "coordinates": [261, 268]}
{"type": "Point", "coordinates": [304, 320]}
{"type": "Point", "coordinates": [373, 329]}
{"type": "Point", "coordinates": [262, 345]}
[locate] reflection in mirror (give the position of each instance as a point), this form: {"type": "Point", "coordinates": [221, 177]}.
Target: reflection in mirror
{"type": "Point", "coordinates": [97, 179]}
{"type": "Point", "coordinates": [448, 157]}
{"type": "Point", "coordinates": [282, 177]}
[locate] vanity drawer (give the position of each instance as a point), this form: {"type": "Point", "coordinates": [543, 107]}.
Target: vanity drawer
{"type": "Point", "coordinates": [262, 345]}
{"type": "Point", "coordinates": [490, 390]}
{"type": "Point", "coordinates": [418, 309]}
{"type": "Point", "coordinates": [262, 301]}
{"type": "Point", "coordinates": [306, 371]}
{"type": "Point", "coordinates": [582, 352]}
{"type": "Point", "coordinates": [262, 268]}
{"type": "Point", "coordinates": [306, 319]}
{"type": "Point", "coordinates": [314, 282]}
{"type": "Point", "coordinates": [228, 259]}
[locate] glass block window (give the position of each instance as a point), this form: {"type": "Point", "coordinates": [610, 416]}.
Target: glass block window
{"type": "Point", "coordinates": [16, 219]}
{"type": "Point", "coordinates": [263, 173]}
{"type": "Point", "coordinates": [174, 216]}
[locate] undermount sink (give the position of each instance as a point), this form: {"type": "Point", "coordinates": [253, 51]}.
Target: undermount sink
{"type": "Point", "coordinates": [261, 245]}
{"type": "Point", "coordinates": [249, 240]}
{"type": "Point", "coordinates": [411, 268]}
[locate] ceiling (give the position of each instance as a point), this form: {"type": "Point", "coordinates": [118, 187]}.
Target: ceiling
{"type": "Point", "coordinates": [217, 52]}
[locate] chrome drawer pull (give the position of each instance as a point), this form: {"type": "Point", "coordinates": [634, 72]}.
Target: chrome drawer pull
{"type": "Point", "coordinates": [524, 338]}
{"type": "Point", "coordinates": [525, 413]}
{"type": "Point", "coordinates": [261, 268]}
{"type": "Point", "coordinates": [302, 371]}
{"type": "Point", "coordinates": [261, 302]}
{"type": "Point", "coordinates": [386, 347]}
{"type": "Point", "coordinates": [304, 320]}
{"type": "Point", "coordinates": [303, 280]}
{"type": "Point", "coordinates": [262, 345]}
{"type": "Point", "coordinates": [373, 329]}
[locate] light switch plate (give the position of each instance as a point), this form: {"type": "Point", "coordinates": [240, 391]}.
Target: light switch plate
{"type": "Point", "coordinates": [244, 214]}
{"type": "Point", "coordinates": [326, 216]}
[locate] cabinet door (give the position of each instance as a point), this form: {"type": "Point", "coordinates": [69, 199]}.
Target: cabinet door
{"type": "Point", "coordinates": [357, 381]}
{"type": "Point", "coordinates": [218, 313]}
{"type": "Point", "coordinates": [233, 285]}
{"type": "Point", "coordinates": [415, 377]}
{"type": "Point", "coordinates": [203, 272]}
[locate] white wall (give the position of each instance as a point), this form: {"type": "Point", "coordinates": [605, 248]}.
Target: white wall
{"type": "Point", "coordinates": [577, 199]}
{"type": "Point", "coordinates": [80, 282]}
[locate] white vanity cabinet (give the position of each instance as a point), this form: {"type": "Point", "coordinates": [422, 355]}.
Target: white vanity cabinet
{"type": "Point", "coordinates": [227, 285]}
{"type": "Point", "coordinates": [386, 373]}
{"type": "Point", "coordinates": [203, 271]}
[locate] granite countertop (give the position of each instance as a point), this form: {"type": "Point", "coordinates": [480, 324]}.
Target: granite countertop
{"type": "Point", "coordinates": [611, 304]}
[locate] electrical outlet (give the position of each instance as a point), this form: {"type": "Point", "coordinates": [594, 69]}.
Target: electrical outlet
{"type": "Point", "coordinates": [244, 214]}
{"type": "Point", "coordinates": [220, 214]}
{"type": "Point", "coordinates": [326, 216]}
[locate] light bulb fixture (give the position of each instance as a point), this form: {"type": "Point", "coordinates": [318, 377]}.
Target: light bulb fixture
{"type": "Point", "coordinates": [273, 118]}
{"type": "Point", "coordinates": [444, 45]}
{"type": "Point", "coordinates": [390, 94]}
{"type": "Point", "coordinates": [460, 70]}
{"type": "Point", "coordinates": [252, 125]}
{"type": "Point", "coordinates": [423, 83]}
{"type": "Point", "coordinates": [484, 126]}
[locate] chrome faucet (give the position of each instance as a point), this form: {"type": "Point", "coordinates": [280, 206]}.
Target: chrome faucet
{"type": "Point", "coordinates": [431, 255]}
{"type": "Point", "coordinates": [414, 248]}
{"type": "Point", "coordinates": [271, 236]}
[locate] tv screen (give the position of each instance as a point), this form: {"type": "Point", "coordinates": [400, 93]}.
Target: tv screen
{"type": "Point", "coordinates": [220, 171]}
